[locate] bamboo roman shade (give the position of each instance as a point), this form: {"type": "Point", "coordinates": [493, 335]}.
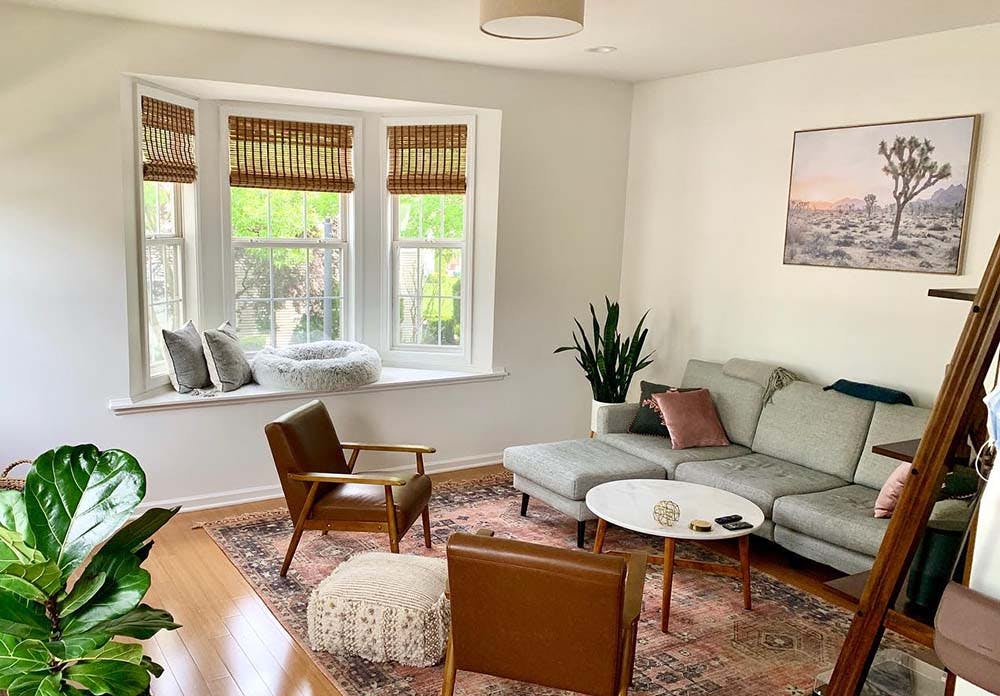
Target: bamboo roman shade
{"type": "Point", "coordinates": [167, 142]}
{"type": "Point", "coordinates": [291, 155]}
{"type": "Point", "coordinates": [427, 158]}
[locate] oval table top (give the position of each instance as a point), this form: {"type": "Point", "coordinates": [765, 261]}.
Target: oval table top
{"type": "Point", "coordinates": [629, 504]}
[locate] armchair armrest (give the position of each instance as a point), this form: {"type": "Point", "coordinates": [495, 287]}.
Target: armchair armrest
{"type": "Point", "coordinates": [615, 418]}
{"type": "Point", "coordinates": [374, 447]}
{"type": "Point", "coordinates": [635, 579]}
{"type": "Point", "coordinates": [372, 478]}
{"type": "Point", "coordinates": [357, 447]}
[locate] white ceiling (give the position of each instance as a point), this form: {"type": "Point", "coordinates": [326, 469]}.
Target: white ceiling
{"type": "Point", "coordinates": [655, 38]}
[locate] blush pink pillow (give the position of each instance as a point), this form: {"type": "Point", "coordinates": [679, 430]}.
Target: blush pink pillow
{"type": "Point", "coordinates": [691, 418]}
{"type": "Point", "coordinates": [885, 504]}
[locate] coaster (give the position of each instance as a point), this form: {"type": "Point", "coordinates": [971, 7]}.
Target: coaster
{"type": "Point", "coordinates": [700, 526]}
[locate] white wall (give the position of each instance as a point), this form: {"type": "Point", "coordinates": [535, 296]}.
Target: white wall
{"type": "Point", "coordinates": [62, 265]}
{"type": "Point", "coordinates": [705, 213]}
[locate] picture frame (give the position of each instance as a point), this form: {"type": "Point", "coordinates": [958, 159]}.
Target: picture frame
{"type": "Point", "coordinates": [882, 196]}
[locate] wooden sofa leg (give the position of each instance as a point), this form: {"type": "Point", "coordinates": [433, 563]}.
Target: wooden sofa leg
{"type": "Point", "coordinates": [524, 504]}
{"type": "Point", "coordinates": [581, 531]}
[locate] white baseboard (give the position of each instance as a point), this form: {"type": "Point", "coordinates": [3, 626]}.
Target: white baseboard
{"type": "Point", "coordinates": [250, 495]}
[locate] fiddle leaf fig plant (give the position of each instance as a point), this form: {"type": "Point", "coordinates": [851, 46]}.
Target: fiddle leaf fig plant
{"type": "Point", "coordinates": [609, 362]}
{"type": "Point", "coordinates": [64, 596]}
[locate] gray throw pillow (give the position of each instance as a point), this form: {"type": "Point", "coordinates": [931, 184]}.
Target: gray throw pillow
{"type": "Point", "coordinates": [186, 359]}
{"type": "Point", "coordinates": [227, 364]}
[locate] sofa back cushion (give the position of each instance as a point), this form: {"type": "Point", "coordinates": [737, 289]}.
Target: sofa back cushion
{"type": "Point", "coordinates": [890, 423]}
{"type": "Point", "coordinates": [824, 431]}
{"type": "Point", "coordinates": [738, 401]}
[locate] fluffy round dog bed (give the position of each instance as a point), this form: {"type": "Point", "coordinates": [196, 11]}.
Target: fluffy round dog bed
{"type": "Point", "coordinates": [320, 366]}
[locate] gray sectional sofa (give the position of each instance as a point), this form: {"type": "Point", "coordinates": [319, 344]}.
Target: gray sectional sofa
{"type": "Point", "coordinates": [804, 457]}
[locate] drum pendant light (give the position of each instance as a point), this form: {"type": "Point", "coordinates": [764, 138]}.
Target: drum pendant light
{"type": "Point", "coordinates": [530, 19]}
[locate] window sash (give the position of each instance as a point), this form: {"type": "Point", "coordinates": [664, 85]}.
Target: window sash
{"type": "Point", "coordinates": [272, 300]}
{"type": "Point", "coordinates": [398, 243]}
{"type": "Point", "coordinates": [341, 243]}
{"type": "Point", "coordinates": [158, 368]}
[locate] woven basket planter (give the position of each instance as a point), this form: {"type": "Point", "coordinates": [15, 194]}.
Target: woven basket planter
{"type": "Point", "coordinates": [12, 483]}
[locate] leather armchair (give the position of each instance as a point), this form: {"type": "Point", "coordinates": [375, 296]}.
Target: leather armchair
{"type": "Point", "coordinates": [324, 493]}
{"type": "Point", "coordinates": [553, 617]}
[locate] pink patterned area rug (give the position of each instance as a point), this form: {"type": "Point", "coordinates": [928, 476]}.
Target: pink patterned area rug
{"type": "Point", "coordinates": [714, 646]}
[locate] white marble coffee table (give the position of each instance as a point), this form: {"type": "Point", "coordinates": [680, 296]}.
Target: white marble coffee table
{"type": "Point", "coordinates": [629, 504]}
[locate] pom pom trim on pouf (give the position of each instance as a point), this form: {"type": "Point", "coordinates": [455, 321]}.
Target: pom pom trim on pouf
{"type": "Point", "coordinates": [320, 366]}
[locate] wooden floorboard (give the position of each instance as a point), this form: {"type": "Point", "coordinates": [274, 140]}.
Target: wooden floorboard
{"type": "Point", "coordinates": [231, 645]}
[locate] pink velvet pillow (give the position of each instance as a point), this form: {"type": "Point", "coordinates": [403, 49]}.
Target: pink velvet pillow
{"type": "Point", "coordinates": [885, 504]}
{"type": "Point", "coordinates": [691, 418]}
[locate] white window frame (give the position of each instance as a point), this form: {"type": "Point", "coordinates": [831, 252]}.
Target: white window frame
{"type": "Point", "coordinates": [350, 211]}
{"type": "Point", "coordinates": [174, 241]}
{"type": "Point", "coordinates": [411, 355]}
{"type": "Point", "coordinates": [185, 207]}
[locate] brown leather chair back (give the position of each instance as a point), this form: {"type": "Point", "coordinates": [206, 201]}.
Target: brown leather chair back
{"type": "Point", "coordinates": [536, 614]}
{"type": "Point", "coordinates": [301, 441]}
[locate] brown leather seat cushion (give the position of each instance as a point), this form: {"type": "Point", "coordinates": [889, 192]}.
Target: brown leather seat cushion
{"type": "Point", "coordinates": [361, 502]}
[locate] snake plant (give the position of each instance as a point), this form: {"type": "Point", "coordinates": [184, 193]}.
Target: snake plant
{"type": "Point", "coordinates": [609, 362]}
{"type": "Point", "coordinates": [59, 617]}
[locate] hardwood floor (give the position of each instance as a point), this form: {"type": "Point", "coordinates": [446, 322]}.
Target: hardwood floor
{"type": "Point", "coordinates": [231, 645]}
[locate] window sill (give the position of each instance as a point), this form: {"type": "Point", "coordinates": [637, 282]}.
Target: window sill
{"type": "Point", "coordinates": [392, 378]}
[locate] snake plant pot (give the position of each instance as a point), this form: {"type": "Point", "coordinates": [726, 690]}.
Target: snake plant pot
{"type": "Point", "coordinates": [595, 406]}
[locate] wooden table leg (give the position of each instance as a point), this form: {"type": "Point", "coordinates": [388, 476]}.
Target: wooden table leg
{"type": "Point", "coordinates": [602, 529]}
{"type": "Point", "coordinates": [745, 569]}
{"type": "Point", "coordinates": [668, 580]}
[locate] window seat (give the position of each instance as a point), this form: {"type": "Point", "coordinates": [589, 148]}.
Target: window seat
{"type": "Point", "coordinates": [392, 378]}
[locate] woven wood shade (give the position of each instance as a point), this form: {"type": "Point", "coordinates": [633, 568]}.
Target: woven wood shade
{"type": "Point", "coordinates": [167, 142]}
{"type": "Point", "coordinates": [290, 155]}
{"type": "Point", "coordinates": [427, 159]}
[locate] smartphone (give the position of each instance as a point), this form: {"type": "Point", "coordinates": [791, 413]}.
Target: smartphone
{"type": "Point", "coordinates": [737, 526]}
{"type": "Point", "coordinates": [727, 519]}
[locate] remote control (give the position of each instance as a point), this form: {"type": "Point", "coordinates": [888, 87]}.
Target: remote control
{"type": "Point", "coordinates": [737, 526]}
{"type": "Point", "coordinates": [727, 519]}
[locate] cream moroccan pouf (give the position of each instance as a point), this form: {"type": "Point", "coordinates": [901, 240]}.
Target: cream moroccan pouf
{"type": "Point", "coordinates": [384, 607]}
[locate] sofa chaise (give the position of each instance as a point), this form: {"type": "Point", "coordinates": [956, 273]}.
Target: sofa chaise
{"type": "Point", "coordinates": [804, 458]}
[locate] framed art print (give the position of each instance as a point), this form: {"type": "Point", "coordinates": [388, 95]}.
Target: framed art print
{"type": "Point", "coordinates": [889, 196]}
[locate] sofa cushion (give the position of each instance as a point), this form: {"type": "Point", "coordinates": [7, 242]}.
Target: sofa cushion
{"type": "Point", "coordinates": [890, 423]}
{"type": "Point", "coordinates": [648, 420]}
{"type": "Point", "coordinates": [892, 489]}
{"type": "Point", "coordinates": [737, 400]}
{"type": "Point", "coordinates": [659, 450]}
{"type": "Point", "coordinates": [844, 560]}
{"type": "Point", "coordinates": [572, 467]}
{"type": "Point", "coordinates": [691, 418]}
{"type": "Point", "coordinates": [821, 430]}
{"type": "Point", "coordinates": [757, 477]}
{"type": "Point", "coordinates": [842, 516]}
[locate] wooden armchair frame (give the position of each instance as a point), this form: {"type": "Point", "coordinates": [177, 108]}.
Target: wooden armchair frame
{"type": "Point", "coordinates": [390, 526]}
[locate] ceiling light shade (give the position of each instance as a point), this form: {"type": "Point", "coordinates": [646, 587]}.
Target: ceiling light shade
{"type": "Point", "coordinates": [530, 19]}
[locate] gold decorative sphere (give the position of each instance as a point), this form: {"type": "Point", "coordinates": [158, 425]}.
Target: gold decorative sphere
{"type": "Point", "coordinates": [666, 512]}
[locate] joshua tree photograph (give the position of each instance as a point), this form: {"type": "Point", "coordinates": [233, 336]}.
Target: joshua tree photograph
{"type": "Point", "coordinates": [890, 196]}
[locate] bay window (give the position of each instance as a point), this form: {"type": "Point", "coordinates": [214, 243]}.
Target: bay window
{"type": "Point", "coordinates": [308, 224]}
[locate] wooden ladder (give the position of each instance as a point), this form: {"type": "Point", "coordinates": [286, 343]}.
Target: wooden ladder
{"type": "Point", "coordinates": [958, 415]}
